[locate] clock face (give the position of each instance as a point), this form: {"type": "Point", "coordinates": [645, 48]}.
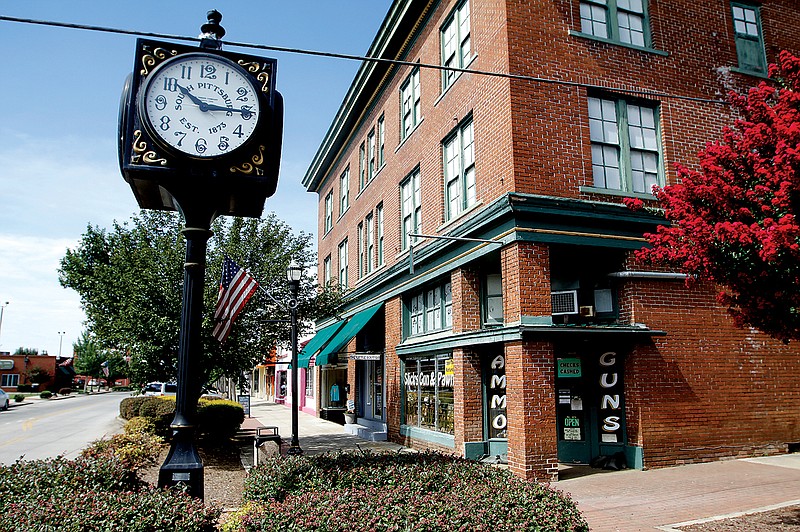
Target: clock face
{"type": "Point", "coordinates": [201, 105]}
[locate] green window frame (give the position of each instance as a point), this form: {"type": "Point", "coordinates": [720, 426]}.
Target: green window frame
{"type": "Point", "coordinates": [410, 104]}
{"type": "Point", "coordinates": [749, 37]}
{"type": "Point", "coordinates": [344, 191]}
{"type": "Point", "coordinates": [626, 150]}
{"type": "Point", "coordinates": [620, 21]}
{"type": "Point", "coordinates": [362, 166]}
{"type": "Point", "coordinates": [343, 266]}
{"type": "Point", "coordinates": [379, 218]}
{"type": "Point", "coordinates": [428, 393]}
{"type": "Point", "coordinates": [410, 207]}
{"type": "Point", "coordinates": [369, 227]}
{"type": "Point", "coordinates": [329, 211]}
{"type": "Point", "coordinates": [371, 165]}
{"type": "Point", "coordinates": [381, 141]}
{"type": "Point", "coordinates": [456, 43]}
{"type": "Point", "coordinates": [362, 250]}
{"type": "Point", "coordinates": [493, 299]}
{"type": "Point", "coordinates": [430, 310]}
{"type": "Point", "coordinates": [458, 152]}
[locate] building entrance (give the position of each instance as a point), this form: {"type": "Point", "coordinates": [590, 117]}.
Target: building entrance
{"type": "Point", "coordinates": [372, 385]}
{"type": "Point", "coordinates": [589, 405]}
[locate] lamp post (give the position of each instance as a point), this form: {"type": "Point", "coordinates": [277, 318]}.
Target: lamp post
{"type": "Point", "coordinates": [293, 274]}
{"type": "Point", "coordinates": [61, 339]}
{"type": "Point", "coordinates": [2, 309]}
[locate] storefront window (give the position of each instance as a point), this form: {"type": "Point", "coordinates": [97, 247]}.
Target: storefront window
{"type": "Point", "coordinates": [309, 382]}
{"type": "Point", "coordinates": [429, 393]}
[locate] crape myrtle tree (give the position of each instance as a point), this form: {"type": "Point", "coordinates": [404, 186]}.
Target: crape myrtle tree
{"type": "Point", "coordinates": [90, 355]}
{"type": "Point", "coordinates": [734, 221]}
{"type": "Point", "coordinates": [130, 281]}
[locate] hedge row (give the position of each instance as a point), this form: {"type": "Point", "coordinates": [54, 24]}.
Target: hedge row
{"type": "Point", "coordinates": [216, 418]}
{"type": "Point", "coordinates": [414, 491]}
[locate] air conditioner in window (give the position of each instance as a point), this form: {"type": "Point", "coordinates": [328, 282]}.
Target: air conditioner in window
{"type": "Point", "coordinates": [564, 302]}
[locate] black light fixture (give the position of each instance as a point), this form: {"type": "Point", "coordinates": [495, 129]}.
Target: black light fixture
{"type": "Point", "coordinates": [293, 274]}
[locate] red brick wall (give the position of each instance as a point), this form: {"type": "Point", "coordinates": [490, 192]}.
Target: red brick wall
{"type": "Point", "coordinates": [468, 397]}
{"type": "Point", "coordinates": [526, 280]}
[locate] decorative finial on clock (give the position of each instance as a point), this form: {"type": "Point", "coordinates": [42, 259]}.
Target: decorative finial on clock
{"type": "Point", "coordinates": [211, 32]}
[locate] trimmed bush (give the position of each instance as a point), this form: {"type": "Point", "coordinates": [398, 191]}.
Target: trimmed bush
{"type": "Point", "coordinates": [18, 398]}
{"type": "Point", "coordinates": [216, 418]}
{"type": "Point", "coordinates": [46, 394]}
{"type": "Point", "coordinates": [140, 425]}
{"type": "Point", "coordinates": [134, 449]}
{"type": "Point", "coordinates": [420, 492]}
{"type": "Point", "coordinates": [65, 391]}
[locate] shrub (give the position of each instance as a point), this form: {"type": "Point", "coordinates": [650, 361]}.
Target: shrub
{"type": "Point", "coordinates": [428, 491]}
{"type": "Point", "coordinates": [18, 398]}
{"type": "Point", "coordinates": [129, 407]}
{"type": "Point", "coordinates": [26, 388]}
{"type": "Point", "coordinates": [46, 394]}
{"type": "Point", "coordinates": [65, 391]}
{"type": "Point", "coordinates": [140, 425]}
{"type": "Point", "coordinates": [219, 418]}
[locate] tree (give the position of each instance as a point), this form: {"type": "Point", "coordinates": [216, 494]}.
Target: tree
{"type": "Point", "coordinates": [130, 283]}
{"type": "Point", "coordinates": [30, 351]}
{"type": "Point", "coordinates": [91, 358]}
{"type": "Point", "coordinates": [734, 221]}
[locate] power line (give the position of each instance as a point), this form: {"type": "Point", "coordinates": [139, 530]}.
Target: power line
{"type": "Point", "coordinates": [360, 58]}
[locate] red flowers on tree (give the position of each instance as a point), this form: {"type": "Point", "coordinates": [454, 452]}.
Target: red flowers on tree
{"type": "Point", "coordinates": [735, 221]}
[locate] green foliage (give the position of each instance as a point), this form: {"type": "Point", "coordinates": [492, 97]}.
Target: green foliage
{"type": "Point", "coordinates": [140, 425]}
{"type": "Point", "coordinates": [38, 375]}
{"type": "Point", "coordinates": [46, 394]}
{"type": "Point", "coordinates": [97, 493]}
{"type": "Point", "coordinates": [65, 391]}
{"type": "Point", "coordinates": [216, 418]}
{"type": "Point", "coordinates": [130, 281]}
{"type": "Point", "coordinates": [134, 449]}
{"type": "Point", "coordinates": [26, 351]}
{"type": "Point", "coordinates": [90, 356]}
{"type": "Point", "coordinates": [423, 492]}
{"type": "Point", "coordinates": [18, 398]}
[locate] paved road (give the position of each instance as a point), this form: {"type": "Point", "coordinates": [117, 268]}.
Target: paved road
{"type": "Point", "coordinates": [36, 429]}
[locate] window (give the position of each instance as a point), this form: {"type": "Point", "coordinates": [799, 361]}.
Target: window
{"type": "Point", "coordinates": [624, 21]}
{"type": "Point", "coordinates": [428, 390]}
{"type": "Point", "coordinates": [381, 141]}
{"type": "Point", "coordinates": [625, 148]}
{"type": "Point", "coordinates": [410, 111]}
{"type": "Point", "coordinates": [326, 270]}
{"type": "Point", "coordinates": [371, 155]}
{"type": "Point", "coordinates": [329, 211]}
{"type": "Point", "coordinates": [362, 166]}
{"type": "Point", "coordinates": [343, 264]}
{"type": "Point", "coordinates": [749, 39]}
{"type": "Point", "coordinates": [456, 44]}
{"type": "Point", "coordinates": [459, 170]}
{"type": "Point", "coordinates": [9, 380]}
{"type": "Point", "coordinates": [493, 302]}
{"type": "Point", "coordinates": [379, 217]}
{"type": "Point", "coordinates": [370, 242]}
{"type": "Point", "coordinates": [309, 382]}
{"type": "Point", "coordinates": [430, 310]}
{"type": "Point", "coordinates": [362, 250]}
{"type": "Point", "coordinates": [411, 206]}
{"type": "Point", "coordinates": [344, 191]}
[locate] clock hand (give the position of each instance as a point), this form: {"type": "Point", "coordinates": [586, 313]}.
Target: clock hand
{"type": "Point", "coordinates": [197, 101]}
{"type": "Point", "coordinates": [245, 113]}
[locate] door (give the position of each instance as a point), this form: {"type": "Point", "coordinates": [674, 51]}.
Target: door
{"type": "Point", "coordinates": [372, 384]}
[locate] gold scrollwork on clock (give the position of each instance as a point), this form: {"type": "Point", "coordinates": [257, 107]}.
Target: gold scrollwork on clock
{"type": "Point", "coordinates": [260, 69]}
{"type": "Point", "coordinates": [151, 60]}
{"type": "Point", "coordinates": [141, 153]}
{"type": "Point", "coordinates": [248, 168]}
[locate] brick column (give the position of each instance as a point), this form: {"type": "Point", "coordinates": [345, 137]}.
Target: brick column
{"type": "Point", "coordinates": [391, 378]}
{"type": "Point", "coordinates": [526, 281]}
{"type": "Point", "coordinates": [531, 410]}
{"type": "Point", "coordinates": [465, 284]}
{"type": "Point", "coordinates": [468, 397]}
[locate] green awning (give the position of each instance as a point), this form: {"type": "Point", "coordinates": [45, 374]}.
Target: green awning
{"type": "Point", "coordinates": [317, 342]}
{"type": "Point", "coordinates": [354, 325]}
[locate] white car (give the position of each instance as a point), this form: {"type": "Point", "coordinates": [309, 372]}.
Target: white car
{"type": "Point", "coordinates": [160, 388]}
{"type": "Point", "coordinates": [3, 400]}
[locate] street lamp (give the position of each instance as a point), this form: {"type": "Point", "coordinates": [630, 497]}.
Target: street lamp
{"type": "Point", "coordinates": [61, 339]}
{"type": "Point", "coordinates": [293, 273]}
{"type": "Point", "coordinates": [2, 308]}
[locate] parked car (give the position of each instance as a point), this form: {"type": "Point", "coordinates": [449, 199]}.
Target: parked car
{"type": "Point", "coordinates": [160, 388]}
{"type": "Point", "coordinates": [3, 400]}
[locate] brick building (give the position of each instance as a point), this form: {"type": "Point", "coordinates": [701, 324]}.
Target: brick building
{"type": "Point", "coordinates": [529, 332]}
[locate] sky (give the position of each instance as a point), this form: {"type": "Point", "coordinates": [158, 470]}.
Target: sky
{"type": "Point", "coordinates": [59, 103]}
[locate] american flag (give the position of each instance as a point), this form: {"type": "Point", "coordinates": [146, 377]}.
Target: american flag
{"type": "Point", "coordinates": [235, 289]}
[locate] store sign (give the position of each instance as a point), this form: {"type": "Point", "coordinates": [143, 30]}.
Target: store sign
{"type": "Point", "coordinates": [569, 367]}
{"type": "Point", "coordinates": [365, 356]}
{"type": "Point", "coordinates": [423, 380]}
{"type": "Point", "coordinates": [496, 393]}
{"type": "Point", "coordinates": [611, 390]}
{"type": "Point", "coordinates": [6, 364]}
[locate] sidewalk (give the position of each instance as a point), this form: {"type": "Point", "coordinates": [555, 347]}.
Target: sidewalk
{"type": "Point", "coordinates": [628, 501]}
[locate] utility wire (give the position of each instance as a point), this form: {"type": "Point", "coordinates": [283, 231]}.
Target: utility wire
{"type": "Point", "coordinates": [360, 58]}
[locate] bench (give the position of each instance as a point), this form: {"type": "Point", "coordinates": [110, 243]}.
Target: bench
{"type": "Point", "coordinates": [262, 436]}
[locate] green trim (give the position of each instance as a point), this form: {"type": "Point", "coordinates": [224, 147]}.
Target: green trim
{"type": "Point", "coordinates": [634, 456]}
{"type": "Point", "coordinates": [474, 450]}
{"type": "Point", "coordinates": [587, 36]}
{"type": "Point", "coordinates": [615, 192]}
{"type": "Point", "coordinates": [538, 321]}
{"type": "Point", "coordinates": [318, 342]}
{"type": "Point", "coordinates": [417, 345]}
{"type": "Point", "coordinates": [440, 438]}
{"type": "Point", "coordinates": [346, 333]}
{"type": "Point", "coordinates": [744, 71]}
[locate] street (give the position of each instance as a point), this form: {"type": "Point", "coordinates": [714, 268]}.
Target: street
{"type": "Point", "coordinates": [36, 429]}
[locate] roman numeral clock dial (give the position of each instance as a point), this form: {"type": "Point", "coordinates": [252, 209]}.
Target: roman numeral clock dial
{"type": "Point", "coordinates": [200, 105]}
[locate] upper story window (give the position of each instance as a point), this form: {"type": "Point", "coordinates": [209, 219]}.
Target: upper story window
{"type": "Point", "coordinates": [381, 141]}
{"type": "Point", "coordinates": [459, 170]}
{"type": "Point", "coordinates": [362, 250]}
{"type": "Point", "coordinates": [371, 166]}
{"type": "Point", "coordinates": [410, 111]}
{"type": "Point", "coordinates": [343, 264]}
{"type": "Point", "coordinates": [326, 270]}
{"type": "Point", "coordinates": [329, 211]}
{"type": "Point", "coordinates": [430, 310]}
{"type": "Point", "coordinates": [411, 207]}
{"type": "Point", "coordinates": [379, 221]}
{"type": "Point", "coordinates": [362, 166]}
{"type": "Point", "coordinates": [493, 299]}
{"type": "Point", "coordinates": [344, 191]}
{"type": "Point", "coordinates": [623, 21]}
{"type": "Point", "coordinates": [749, 38]}
{"type": "Point", "coordinates": [456, 43]}
{"type": "Point", "coordinates": [369, 235]}
{"type": "Point", "coordinates": [625, 148]}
